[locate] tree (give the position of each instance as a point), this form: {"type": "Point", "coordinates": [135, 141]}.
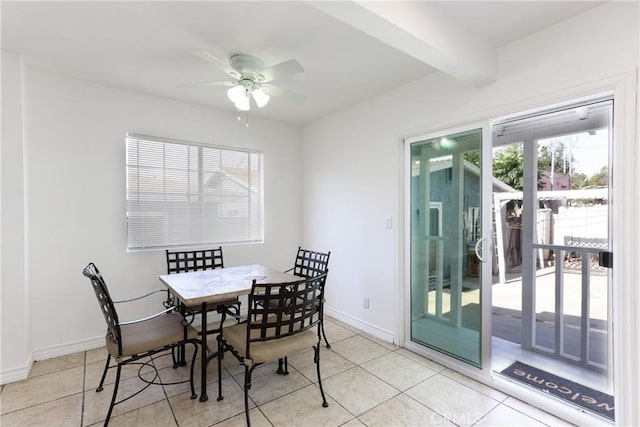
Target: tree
{"type": "Point", "coordinates": [473, 157]}
{"type": "Point", "coordinates": [508, 166]}
{"type": "Point", "coordinates": [600, 179]}
{"type": "Point", "coordinates": [579, 180]}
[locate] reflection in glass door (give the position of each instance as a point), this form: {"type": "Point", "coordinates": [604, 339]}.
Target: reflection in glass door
{"type": "Point", "coordinates": [446, 244]}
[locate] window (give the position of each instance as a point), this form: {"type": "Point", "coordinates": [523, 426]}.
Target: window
{"type": "Point", "coordinates": [182, 193]}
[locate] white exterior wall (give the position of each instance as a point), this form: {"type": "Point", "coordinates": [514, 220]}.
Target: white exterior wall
{"type": "Point", "coordinates": [353, 173]}
{"type": "Point", "coordinates": [74, 140]}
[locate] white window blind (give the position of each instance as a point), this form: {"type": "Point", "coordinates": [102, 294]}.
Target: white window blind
{"type": "Point", "coordinates": [182, 193]}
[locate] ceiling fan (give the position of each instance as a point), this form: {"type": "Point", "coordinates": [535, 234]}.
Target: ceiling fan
{"type": "Point", "coordinates": [250, 79]}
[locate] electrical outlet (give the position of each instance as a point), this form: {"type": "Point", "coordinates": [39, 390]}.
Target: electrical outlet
{"type": "Point", "coordinates": [365, 302]}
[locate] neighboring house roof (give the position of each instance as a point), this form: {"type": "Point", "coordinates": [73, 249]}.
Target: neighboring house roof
{"type": "Point", "coordinates": [498, 185]}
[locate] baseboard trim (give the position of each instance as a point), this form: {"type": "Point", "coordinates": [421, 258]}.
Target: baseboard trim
{"type": "Point", "coordinates": [17, 374]}
{"type": "Point", "coordinates": [373, 330]}
{"type": "Point", "coordinates": [69, 348]}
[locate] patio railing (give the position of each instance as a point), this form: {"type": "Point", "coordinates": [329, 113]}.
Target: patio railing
{"type": "Point", "coordinates": [581, 260]}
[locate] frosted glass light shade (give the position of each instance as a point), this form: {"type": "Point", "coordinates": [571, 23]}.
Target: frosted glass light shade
{"type": "Point", "coordinates": [260, 97]}
{"type": "Point", "coordinates": [240, 97]}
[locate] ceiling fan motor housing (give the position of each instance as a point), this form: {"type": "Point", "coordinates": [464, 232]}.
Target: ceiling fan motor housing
{"type": "Point", "coordinates": [247, 65]}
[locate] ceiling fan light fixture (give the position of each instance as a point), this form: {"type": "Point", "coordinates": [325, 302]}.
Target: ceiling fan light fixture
{"type": "Point", "coordinates": [243, 105]}
{"type": "Point", "coordinates": [260, 97]}
{"type": "Point", "coordinates": [236, 94]}
{"type": "Point", "coordinates": [239, 95]}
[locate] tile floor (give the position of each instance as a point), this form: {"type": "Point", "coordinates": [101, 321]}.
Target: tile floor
{"type": "Point", "coordinates": [368, 382]}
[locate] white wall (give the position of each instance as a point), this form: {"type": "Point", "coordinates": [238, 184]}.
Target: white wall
{"type": "Point", "coordinates": [74, 139]}
{"type": "Point", "coordinates": [15, 347]}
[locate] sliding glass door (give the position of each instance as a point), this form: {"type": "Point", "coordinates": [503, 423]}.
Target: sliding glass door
{"type": "Point", "coordinates": [448, 246]}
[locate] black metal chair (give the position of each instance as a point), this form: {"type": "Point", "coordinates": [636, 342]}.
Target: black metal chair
{"type": "Point", "coordinates": [280, 323]}
{"type": "Point", "coordinates": [128, 342]}
{"type": "Point", "coordinates": [311, 264]}
{"type": "Point", "coordinates": [195, 260]}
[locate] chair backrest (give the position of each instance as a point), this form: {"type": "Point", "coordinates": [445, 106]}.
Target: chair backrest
{"type": "Point", "coordinates": [311, 263]}
{"type": "Point", "coordinates": [278, 310]}
{"type": "Point", "coordinates": [202, 259]}
{"type": "Point", "coordinates": [106, 303]}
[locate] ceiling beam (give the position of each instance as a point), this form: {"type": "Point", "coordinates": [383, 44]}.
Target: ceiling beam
{"type": "Point", "coordinates": [419, 30]}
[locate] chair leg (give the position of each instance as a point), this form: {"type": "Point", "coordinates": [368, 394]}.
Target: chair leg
{"type": "Point", "coordinates": [174, 358]}
{"type": "Point", "coordinates": [283, 367]}
{"type": "Point", "coordinates": [238, 312]}
{"type": "Point", "coordinates": [104, 374]}
{"type": "Point", "coordinates": [220, 356]}
{"type": "Point", "coordinates": [113, 398]}
{"type": "Point", "coordinates": [323, 334]}
{"type": "Point", "coordinates": [193, 364]}
{"type": "Point", "coordinates": [247, 386]}
{"type": "Point", "coordinates": [182, 349]}
{"type": "Point", "coordinates": [316, 360]}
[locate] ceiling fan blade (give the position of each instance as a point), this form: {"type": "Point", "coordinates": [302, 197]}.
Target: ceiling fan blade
{"type": "Point", "coordinates": [280, 70]}
{"type": "Point", "coordinates": [223, 65]}
{"type": "Point", "coordinates": [287, 94]}
{"type": "Point", "coordinates": [226, 83]}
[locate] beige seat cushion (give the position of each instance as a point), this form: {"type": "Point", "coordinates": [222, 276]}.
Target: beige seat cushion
{"type": "Point", "coordinates": [151, 334]}
{"type": "Point", "coordinates": [268, 351]}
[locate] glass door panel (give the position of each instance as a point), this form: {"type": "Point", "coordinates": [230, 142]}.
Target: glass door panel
{"type": "Point", "coordinates": [551, 297]}
{"type": "Point", "coordinates": [446, 244]}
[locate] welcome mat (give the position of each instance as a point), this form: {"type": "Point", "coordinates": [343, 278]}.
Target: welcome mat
{"type": "Point", "coordinates": [585, 397]}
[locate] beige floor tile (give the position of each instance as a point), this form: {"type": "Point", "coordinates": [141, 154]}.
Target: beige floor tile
{"type": "Point", "coordinates": [165, 360]}
{"type": "Point", "coordinates": [155, 415]}
{"type": "Point", "coordinates": [504, 416]}
{"type": "Point", "coordinates": [434, 366]}
{"type": "Point", "coordinates": [96, 405]}
{"type": "Point", "coordinates": [331, 363]}
{"type": "Point", "coordinates": [336, 332]}
{"type": "Point", "coordinates": [354, 423]}
{"type": "Point", "coordinates": [357, 390]}
{"type": "Point", "coordinates": [536, 413]}
{"type": "Point", "coordinates": [41, 389]}
{"type": "Point", "coordinates": [56, 364]}
{"type": "Point", "coordinates": [96, 355]}
{"type": "Point", "coordinates": [168, 375]}
{"type": "Point", "coordinates": [232, 365]}
{"type": "Point", "coordinates": [93, 373]}
{"type": "Point", "coordinates": [53, 393]}
{"type": "Point", "coordinates": [477, 386]}
{"type": "Point", "coordinates": [398, 371]}
{"type": "Point", "coordinates": [62, 412]}
{"type": "Point", "coordinates": [192, 412]}
{"type": "Point", "coordinates": [256, 417]}
{"type": "Point", "coordinates": [304, 408]}
{"type": "Point", "coordinates": [402, 411]}
{"type": "Point", "coordinates": [385, 344]}
{"type": "Point", "coordinates": [456, 402]}
{"type": "Point", "coordinates": [267, 385]}
{"type": "Point", "coordinates": [328, 319]}
{"type": "Point", "coordinates": [358, 349]}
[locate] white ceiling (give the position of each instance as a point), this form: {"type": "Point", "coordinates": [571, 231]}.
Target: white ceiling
{"type": "Point", "coordinates": [350, 51]}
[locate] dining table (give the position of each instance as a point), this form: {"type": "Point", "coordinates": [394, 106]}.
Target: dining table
{"type": "Point", "coordinates": [209, 287]}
